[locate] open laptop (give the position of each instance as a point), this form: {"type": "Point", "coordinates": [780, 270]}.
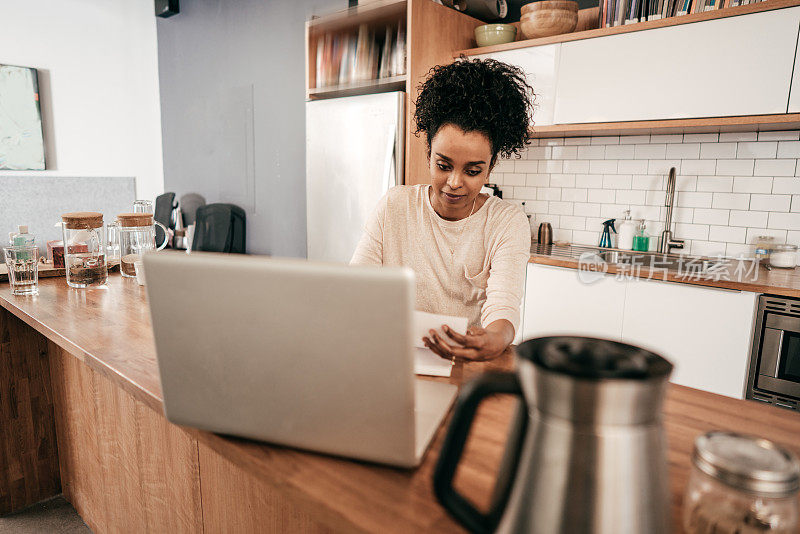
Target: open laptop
{"type": "Point", "coordinates": [311, 355]}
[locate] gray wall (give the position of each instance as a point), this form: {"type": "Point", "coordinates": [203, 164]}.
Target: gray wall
{"type": "Point", "coordinates": [232, 79]}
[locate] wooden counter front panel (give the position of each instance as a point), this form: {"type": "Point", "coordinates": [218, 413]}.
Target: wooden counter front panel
{"type": "Point", "coordinates": [121, 462]}
{"type": "Point", "coordinates": [28, 454]}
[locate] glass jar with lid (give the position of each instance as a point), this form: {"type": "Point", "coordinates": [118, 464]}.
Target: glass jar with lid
{"type": "Point", "coordinates": [137, 235]}
{"type": "Point", "coordinates": [741, 484]}
{"type": "Point", "coordinates": [783, 256]}
{"type": "Point", "coordinates": [84, 249]}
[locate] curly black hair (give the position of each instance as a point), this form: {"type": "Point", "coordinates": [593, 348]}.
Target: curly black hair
{"type": "Point", "coordinates": [477, 95]}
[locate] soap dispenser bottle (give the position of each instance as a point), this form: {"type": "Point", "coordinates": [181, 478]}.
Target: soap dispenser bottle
{"type": "Point", "coordinates": [627, 229]}
{"type": "Point", "coordinates": [605, 238]}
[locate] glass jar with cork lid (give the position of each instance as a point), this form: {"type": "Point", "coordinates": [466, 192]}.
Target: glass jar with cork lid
{"type": "Point", "coordinates": [84, 249]}
{"type": "Point", "coordinates": [137, 235]}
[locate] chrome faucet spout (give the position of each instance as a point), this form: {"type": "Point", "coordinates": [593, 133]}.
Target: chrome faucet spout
{"type": "Point", "coordinates": [668, 242]}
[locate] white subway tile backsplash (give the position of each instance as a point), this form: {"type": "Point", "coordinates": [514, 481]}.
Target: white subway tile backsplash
{"type": "Point", "coordinates": [593, 181]}
{"type": "Point", "coordinates": [733, 201]}
{"type": "Point", "coordinates": [632, 166]}
{"type": "Point", "coordinates": [788, 149]}
{"type": "Point", "coordinates": [761, 149]}
{"type": "Point", "coordinates": [657, 151]}
{"type": "Point", "coordinates": [737, 136]}
{"type": "Point", "coordinates": [729, 234]}
{"type": "Point", "coordinates": [730, 187]}
{"type": "Point", "coordinates": [619, 151]}
{"type": "Point", "coordinates": [786, 185]}
{"type": "Point", "coordinates": [784, 221]}
{"type": "Point", "coordinates": [591, 152]}
{"type": "Point", "coordinates": [683, 151]}
{"type": "Point", "coordinates": [775, 167]}
{"type": "Point", "coordinates": [699, 167]}
{"type": "Point", "coordinates": [715, 184]}
{"type": "Point", "coordinates": [752, 219]}
{"type": "Point", "coordinates": [735, 167]}
{"type": "Point", "coordinates": [562, 180]}
{"type": "Point", "coordinates": [711, 216]}
{"type": "Point", "coordinates": [770, 202]}
{"type": "Point", "coordinates": [752, 184]}
{"type": "Point", "coordinates": [574, 195]}
{"type": "Point", "coordinates": [576, 166]}
{"type": "Point", "coordinates": [717, 150]}
{"type": "Point", "coordinates": [617, 181]}
{"type": "Point", "coordinates": [601, 196]}
{"type": "Point", "coordinates": [602, 166]}
{"type": "Point", "coordinates": [793, 135]}
{"type": "Point", "coordinates": [564, 152]}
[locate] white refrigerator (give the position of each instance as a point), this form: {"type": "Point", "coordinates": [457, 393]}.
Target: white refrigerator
{"type": "Point", "coordinates": [354, 154]}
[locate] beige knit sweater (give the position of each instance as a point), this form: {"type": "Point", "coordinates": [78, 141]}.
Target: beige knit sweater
{"type": "Point", "coordinates": [473, 268]}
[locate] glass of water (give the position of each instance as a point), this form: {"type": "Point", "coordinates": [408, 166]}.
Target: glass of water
{"type": "Point", "coordinates": [23, 269]}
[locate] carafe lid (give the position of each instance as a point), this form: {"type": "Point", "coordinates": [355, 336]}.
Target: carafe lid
{"type": "Point", "coordinates": [134, 220]}
{"type": "Point", "coordinates": [79, 220]}
{"type": "Point", "coordinates": [593, 358]}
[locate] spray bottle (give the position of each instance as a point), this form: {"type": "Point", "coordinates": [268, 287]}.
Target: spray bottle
{"type": "Point", "coordinates": [605, 238]}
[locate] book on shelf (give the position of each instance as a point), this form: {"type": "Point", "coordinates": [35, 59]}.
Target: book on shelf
{"type": "Point", "coordinates": [622, 12]}
{"type": "Point", "coordinates": [360, 55]}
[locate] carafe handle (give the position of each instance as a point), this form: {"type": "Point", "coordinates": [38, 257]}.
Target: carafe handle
{"type": "Point", "coordinates": [166, 235]}
{"type": "Point", "coordinates": [471, 396]}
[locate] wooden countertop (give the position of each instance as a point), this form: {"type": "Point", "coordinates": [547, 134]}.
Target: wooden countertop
{"type": "Point", "coordinates": [109, 329]}
{"type": "Point", "coordinates": [757, 279]}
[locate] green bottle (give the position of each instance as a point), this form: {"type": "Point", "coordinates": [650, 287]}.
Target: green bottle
{"type": "Point", "coordinates": [641, 241]}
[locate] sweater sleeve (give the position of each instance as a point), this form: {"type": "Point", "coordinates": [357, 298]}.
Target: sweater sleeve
{"type": "Point", "coordinates": [507, 272]}
{"type": "Point", "coordinates": [369, 250]}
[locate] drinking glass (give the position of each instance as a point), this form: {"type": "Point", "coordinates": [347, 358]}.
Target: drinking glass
{"type": "Point", "coordinates": [142, 206]}
{"type": "Point", "coordinates": [23, 269]}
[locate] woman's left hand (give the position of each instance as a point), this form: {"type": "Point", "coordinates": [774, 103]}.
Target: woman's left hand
{"type": "Point", "coordinates": [478, 345]}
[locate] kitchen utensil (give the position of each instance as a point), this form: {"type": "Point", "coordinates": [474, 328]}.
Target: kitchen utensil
{"type": "Point", "coordinates": [84, 249]}
{"type": "Point", "coordinates": [545, 235]}
{"type": "Point", "coordinates": [137, 235]}
{"type": "Point", "coordinates": [495, 34]}
{"type": "Point", "coordinates": [23, 269]}
{"type": "Point", "coordinates": [548, 17]}
{"type": "Point", "coordinates": [741, 484]}
{"type": "Point", "coordinates": [586, 452]}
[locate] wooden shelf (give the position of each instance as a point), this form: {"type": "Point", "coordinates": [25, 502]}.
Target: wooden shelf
{"type": "Point", "coordinates": [767, 5]}
{"type": "Point", "coordinates": [374, 12]}
{"type": "Point", "coordinates": [788, 121]}
{"type": "Point", "coordinates": [383, 85]}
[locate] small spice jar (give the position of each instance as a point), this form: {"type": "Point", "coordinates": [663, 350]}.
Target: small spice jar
{"type": "Point", "coordinates": [741, 484]}
{"type": "Point", "coordinates": [784, 256]}
{"type": "Point", "coordinates": [84, 249]}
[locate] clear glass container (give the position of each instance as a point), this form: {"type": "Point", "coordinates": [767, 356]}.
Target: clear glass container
{"type": "Point", "coordinates": [764, 245]}
{"type": "Point", "coordinates": [741, 484]}
{"type": "Point", "coordinates": [783, 256]}
{"type": "Point", "coordinates": [143, 206]}
{"type": "Point", "coordinates": [137, 235]}
{"type": "Point", "coordinates": [23, 269]}
{"type": "Point", "coordinates": [84, 249]}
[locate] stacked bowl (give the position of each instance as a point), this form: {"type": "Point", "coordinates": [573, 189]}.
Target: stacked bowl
{"type": "Point", "coordinates": [548, 17]}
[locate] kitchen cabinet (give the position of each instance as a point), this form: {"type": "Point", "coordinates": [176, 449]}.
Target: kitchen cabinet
{"type": "Point", "coordinates": [557, 302]}
{"type": "Point", "coordinates": [724, 67]}
{"type": "Point", "coordinates": [705, 332]}
{"type": "Point", "coordinates": [540, 65]}
{"type": "Point", "coordinates": [794, 93]}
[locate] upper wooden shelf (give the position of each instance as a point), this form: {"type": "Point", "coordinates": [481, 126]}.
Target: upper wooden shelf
{"type": "Point", "coordinates": [374, 12]}
{"type": "Point", "coordinates": [748, 123]}
{"type": "Point", "coordinates": [381, 85]}
{"type": "Point", "coordinates": [766, 5]}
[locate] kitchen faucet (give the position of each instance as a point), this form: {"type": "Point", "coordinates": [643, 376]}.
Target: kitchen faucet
{"type": "Point", "coordinates": [667, 242]}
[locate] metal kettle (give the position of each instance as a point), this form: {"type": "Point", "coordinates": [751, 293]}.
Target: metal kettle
{"type": "Point", "coordinates": [586, 453]}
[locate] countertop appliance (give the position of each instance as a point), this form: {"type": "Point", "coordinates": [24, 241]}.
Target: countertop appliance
{"type": "Point", "coordinates": [354, 154]}
{"type": "Point", "coordinates": [774, 375]}
{"type": "Point", "coordinates": [586, 451]}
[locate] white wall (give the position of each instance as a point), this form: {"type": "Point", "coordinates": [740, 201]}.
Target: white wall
{"type": "Point", "coordinates": [98, 83]}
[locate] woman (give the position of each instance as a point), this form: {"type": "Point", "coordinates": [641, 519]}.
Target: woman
{"type": "Point", "coordinates": [468, 250]}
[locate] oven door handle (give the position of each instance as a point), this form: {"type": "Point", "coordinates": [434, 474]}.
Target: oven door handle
{"type": "Point", "coordinates": [771, 348]}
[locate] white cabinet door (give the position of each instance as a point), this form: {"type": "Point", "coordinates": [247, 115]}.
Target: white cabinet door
{"type": "Point", "coordinates": [540, 64]}
{"type": "Point", "coordinates": [794, 94]}
{"type": "Point", "coordinates": [558, 302]}
{"type": "Point", "coordinates": [733, 66]}
{"type": "Point", "coordinates": [706, 333]}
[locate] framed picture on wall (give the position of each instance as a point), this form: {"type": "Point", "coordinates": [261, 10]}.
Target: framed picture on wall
{"type": "Point", "coordinates": [21, 140]}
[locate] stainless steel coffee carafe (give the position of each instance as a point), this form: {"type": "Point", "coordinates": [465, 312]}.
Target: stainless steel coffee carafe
{"type": "Point", "coordinates": [586, 453]}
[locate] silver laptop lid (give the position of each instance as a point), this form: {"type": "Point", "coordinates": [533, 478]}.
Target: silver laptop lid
{"type": "Point", "coordinates": [311, 355]}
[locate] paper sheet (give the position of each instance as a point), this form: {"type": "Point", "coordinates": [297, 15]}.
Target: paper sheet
{"type": "Point", "coordinates": [425, 361]}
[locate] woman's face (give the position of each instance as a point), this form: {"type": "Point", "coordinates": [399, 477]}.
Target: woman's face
{"type": "Point", "coordinates": [460, 165]}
